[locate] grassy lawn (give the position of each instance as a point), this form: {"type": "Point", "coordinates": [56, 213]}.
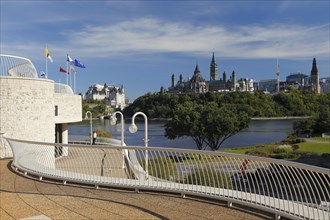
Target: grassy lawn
{"type": "Point", "coordinates": [265, 148]}
{"type": "Point", "coordinates": [270, 149]}
{"type": "Point", "coordinates": [317, 148]}
{"type": "Point", "coordinates": [320, 139]}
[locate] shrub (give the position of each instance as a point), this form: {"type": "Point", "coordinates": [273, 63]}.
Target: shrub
{"type": "Point", "coordinates": [277, 150]}
{"type": "Point", "coordinates": [292, 139]}
{"type": "Point", "coordinates": [295, 147]}
{"type": "Point", "coordinates": [102, 133]}
{"type": "Point", "coordinates": [285, 156]}
{"type": "Point", "coordinates": [255, 152]}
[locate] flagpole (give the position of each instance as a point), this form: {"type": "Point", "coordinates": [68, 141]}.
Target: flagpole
{"type": "Point", "coordinates": [46, 68]}
{"type": "Point", "coordinates": [70, 81]}
{"type": "Point", "coordinates": [67, 70]}
{"type": "Point", "coordinates": [74, 82]}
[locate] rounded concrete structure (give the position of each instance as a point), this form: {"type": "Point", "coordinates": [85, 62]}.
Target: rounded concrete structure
{"type": "Point", "coordinates": [33, 108]}
{"type": "Point", "coordinates": [27, 108]}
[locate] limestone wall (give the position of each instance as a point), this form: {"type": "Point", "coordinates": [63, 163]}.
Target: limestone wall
{"type": "Point", "coordinates": [27, 108]}
{"type": "Point", "coordinates": [69, 108]}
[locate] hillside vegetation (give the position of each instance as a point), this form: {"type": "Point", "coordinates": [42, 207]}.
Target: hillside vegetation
{"type": "Point", "coordinates": [258, 104]}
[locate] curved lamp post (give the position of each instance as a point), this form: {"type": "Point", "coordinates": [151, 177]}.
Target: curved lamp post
{"type": "Point", "coordinates": [113, 121]}
{"type": "Point", "coordinates": [133, 128]}
{"type": "Point", "coordinates": [91, 124]}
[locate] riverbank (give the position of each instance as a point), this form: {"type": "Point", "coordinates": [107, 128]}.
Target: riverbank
{"type": "Point", "coordinates": [253, 118]}
{"type": "Point", "coordinates": [281, 118]}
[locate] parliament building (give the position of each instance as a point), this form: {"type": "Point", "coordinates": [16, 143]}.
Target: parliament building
{"type": "Point", "coordinates": [197, 84]}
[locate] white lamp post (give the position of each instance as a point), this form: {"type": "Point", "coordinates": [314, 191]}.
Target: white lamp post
{"type": "Point", "coordinates": [91, 123]}
{"type": "Point", "coordinates": [133, 128]}
{"type": "Point", "coordinates": [113, 121]}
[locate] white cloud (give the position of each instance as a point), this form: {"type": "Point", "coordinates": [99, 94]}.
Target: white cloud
{"type": "Point", "coordinates": [149, 35]}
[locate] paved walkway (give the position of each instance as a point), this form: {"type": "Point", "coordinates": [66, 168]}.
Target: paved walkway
{"type": "Point", "coordinates": [22, 197]}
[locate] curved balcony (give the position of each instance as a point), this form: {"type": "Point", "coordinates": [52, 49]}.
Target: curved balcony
{"type": "Point", "coordinates": [17, 66]}
{"type": "Point", "coordinates": [62, 88]}
{"type": "Point", "coordinates": [288, 189]}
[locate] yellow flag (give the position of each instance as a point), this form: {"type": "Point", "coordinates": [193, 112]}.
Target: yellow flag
{"type": "Point", "coordinates": [48, 55]}
{"type": "Point", "coordinates": [46, 52]}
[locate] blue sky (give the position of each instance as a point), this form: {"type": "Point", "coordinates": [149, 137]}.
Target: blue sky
{"type": "Point", "coordinates": [140, 44]}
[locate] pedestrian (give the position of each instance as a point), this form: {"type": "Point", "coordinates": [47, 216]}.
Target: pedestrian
{"type": "Point", "coordinates": [94, 136]}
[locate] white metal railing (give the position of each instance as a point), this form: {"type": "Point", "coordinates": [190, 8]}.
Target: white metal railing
{"type": "Point", "coordinates": [17, 66]}
{"type": "Point", "coordinates": [288, 189]}
{"type": "Point", "coordinates": [62, 88]}
{"type": "Point", "coordinates": [5, 151]}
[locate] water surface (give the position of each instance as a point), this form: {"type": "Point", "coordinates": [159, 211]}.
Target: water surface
{"type": "Point", "coordinates": [259, 132]}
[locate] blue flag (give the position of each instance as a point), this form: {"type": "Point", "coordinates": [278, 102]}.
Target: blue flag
{"type": "Point", "coordinates": [78, 64]}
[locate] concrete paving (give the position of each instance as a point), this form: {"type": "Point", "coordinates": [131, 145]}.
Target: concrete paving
{"type": "Point", "coordinates": [23, 197]}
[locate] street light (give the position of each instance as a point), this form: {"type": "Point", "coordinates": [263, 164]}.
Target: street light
{"type": "Point", "coordinates": [113, 121]}
{"type": "Point", "coordinates": [133, 128]}
{"type": "Point", "coordinates": [91, 124]}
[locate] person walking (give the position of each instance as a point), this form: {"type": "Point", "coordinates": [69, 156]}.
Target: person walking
{"type": "Point", "coordinates": [94, 136]}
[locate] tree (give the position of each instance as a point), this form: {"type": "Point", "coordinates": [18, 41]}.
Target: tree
{"type": "Point", "coordinates": [222, 123]}
{"type": "Point", "coordinates": [322, 123]}
{"type": "Point", "coordinates": [185, 122]}
{"type": "Point", "coordinates": [208, 124]}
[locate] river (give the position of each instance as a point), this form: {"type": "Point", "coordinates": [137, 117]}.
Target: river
{"type": "Point", "coordinates": [259, 132]}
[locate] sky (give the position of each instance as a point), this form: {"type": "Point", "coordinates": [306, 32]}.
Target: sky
{"type": "Point", "coordinates": [140, 44]}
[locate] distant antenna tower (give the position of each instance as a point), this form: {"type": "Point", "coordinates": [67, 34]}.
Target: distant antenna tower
{"type": "Point", "coordinates": [278, 76]}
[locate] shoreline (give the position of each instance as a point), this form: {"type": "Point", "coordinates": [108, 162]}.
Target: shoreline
{"type": "Point", "coordinates": [280, 118]}
{"type": "Point", "coordinates": [252, 119]}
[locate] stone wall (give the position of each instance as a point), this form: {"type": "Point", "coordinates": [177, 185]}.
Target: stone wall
{"type": "Point", "coordinates": [69, 108]}
{"type": "Point", "coordinates": [27, 108]}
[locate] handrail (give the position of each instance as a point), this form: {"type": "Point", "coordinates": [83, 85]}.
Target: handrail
{"type": "Point", "coordinates": [284, 188]}
{"type": "Point", "coordinates": [62, 88]}
{"type": "Point", "coordinates": [17, 66]}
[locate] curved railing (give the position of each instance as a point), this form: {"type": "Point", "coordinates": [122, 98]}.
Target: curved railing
{"type": "Point", "coordinates": [288, 189]}
{"type": "Point", "coordinates": [62, 88]}
{"type": "Point", "coordinates": [17, 66]}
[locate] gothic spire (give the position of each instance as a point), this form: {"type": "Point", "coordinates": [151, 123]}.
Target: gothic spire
{"type": "Point", "coordinates": [213, 59]}
{"type": "Point", "coordinates": [197, 69]}
{"type": "Point", "coordinates": [314, 70]}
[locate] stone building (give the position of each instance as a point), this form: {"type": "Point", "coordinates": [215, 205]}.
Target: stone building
{"type": "Point", "coordinates": [114, 96]}
{"type": "Point", "coordinates": [315, 78]}
{"type": "Point", "coordinates": [33, 108]}
{"type": "Point", "coordinates": [197, 84]}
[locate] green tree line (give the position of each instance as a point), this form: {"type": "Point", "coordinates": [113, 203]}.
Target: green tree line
{"type": "Point", "coordinates": [258, 104]}
{"type": "Point", "coordinates": [96, 107]}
